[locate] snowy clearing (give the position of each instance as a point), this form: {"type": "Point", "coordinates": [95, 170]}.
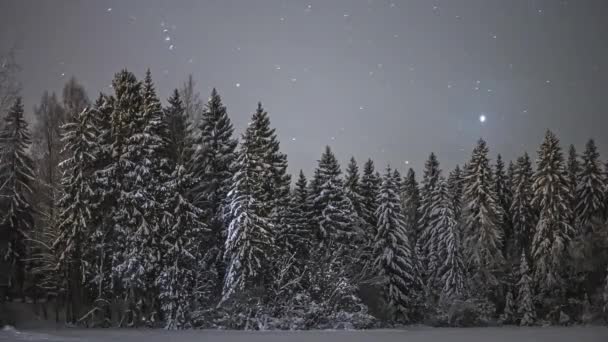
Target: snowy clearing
{"type": "Point", "coordinates": [536, 334]}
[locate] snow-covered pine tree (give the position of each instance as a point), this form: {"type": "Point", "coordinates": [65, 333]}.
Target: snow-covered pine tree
{"type": "Point", "coordinates": [178, 126]}
{"type": "Point", "coordinates": [455, 188]}
{"type": "Point", "coordinates": [16, 180]}
{"type": "Point", "coordinates": [424, 229]}
{"type": "Point", "coordinates": [370, 185]}
{"type": "Point", "coordinates": [573, 169]}
{"type": "Point", "coordinates": [275, 181]}
{"type": "Point", "coordinates": [504, 201]}
{"type": "Point", "coordinates": [297, 237]}
{"type": "Point", "coordinates": [522, 212]}
{"type": "Point", "coordinates": [410, 201]}
{"type": "Point", "coordinates": [553, 231]}
{"type": "Point", "coordinates": [335, 212]}
{"type": "Point", "coordinates": [134, 209]}
{"type": "Point", "coordinates": [482, 214]}
{"type": "Point", "coordinates": [76, 206]}
{"type": "Point", "coordinates": [394, 261]}
{"type": "Point", "coordinates": [213, 152]}
{"type": "Point", "coordinates": [250, 238]}
{"type": "Point", "coordinates": [525, 303]}
{"type": "Point", "coordinates": [182, 280]}
{"type": "Point", "coordinates": [590, 192]}
{"type": "Point", "coordinates": [352, 186]}
{"type": "Point", "coordinates": [452, 270]}
{"type": "Point", "coordinates": [605, 296]}
{"type": "Point", "coordinates": [509, 311]}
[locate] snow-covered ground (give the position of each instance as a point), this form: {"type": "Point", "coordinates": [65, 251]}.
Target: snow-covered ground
{"type": "Point", "coordinates": [416, 334]}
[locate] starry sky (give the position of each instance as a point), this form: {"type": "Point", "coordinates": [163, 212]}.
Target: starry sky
{"type": "Point", "coordinates": [387, 79]}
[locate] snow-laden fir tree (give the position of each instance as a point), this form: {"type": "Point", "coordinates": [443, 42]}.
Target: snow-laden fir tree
{"type": "Point", "coordinates": [590, 192]}
{"type": "Point", "coordinates": [337, 219]}
{"type": "Point", "coordinates": [250, 236]}
{"type": "Point", "coordinates": [605, 296]}
{"type": "Point", "coordinates": [178, 126]}
{"type": "Point", "coordinates": [482, 215]}
{"type": "Point", "coordinates": [182, 281]}
{"type": "Point", "coordinates": [424, 230]}
{"type": "Point", "coordinates": [525, 298]}
{"type": "Point", "coordinates": [573, 169]}
{"type": "Point", "coordinates": [455, 188]}
{"type": "Point", "coordinates": [509, 311]}
{"type": "Point", "coordinates": [135, 209]}
{"type": "Point", "coordinates": [16, 179]}
{"type": "Point", "coordinates": [452, 270]}
{"type": "Point", "coordinates": [76, 207]}
{"type": "Point", "coordinates": [503, 195]}
{"type": "Point", "coordinates": [297, 236]}
{"type": "Point", "coordinates": [352, 186]}
{"type": "Point", "coordinates": [523, 217]}
{"type": "Point", "coordinates": [275, 181]}
{"type": "Point", "coordinates": [370, 185]}
{"type": "Point", "coordinates": [553, 231]}
{"type": "Point", "coordinates": [213, 152]}
{"type": "Point", "coordinates": [410, 201]}
{"type": "Point", "coordinates": [393, 257]}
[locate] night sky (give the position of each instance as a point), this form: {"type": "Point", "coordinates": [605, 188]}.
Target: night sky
{"type": "Point", "coordinates": [391, 80]}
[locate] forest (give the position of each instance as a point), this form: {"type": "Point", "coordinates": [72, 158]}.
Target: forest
{"type": "Point", "coordinates": [124, 211]}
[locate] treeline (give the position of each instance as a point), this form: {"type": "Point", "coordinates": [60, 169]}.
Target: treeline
{"type": "Point", "coordinates": [125, 213]}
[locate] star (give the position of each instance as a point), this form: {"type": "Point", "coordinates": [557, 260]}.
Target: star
{"type": "Point", "coordinates": [238, 85]}
{"type": "Point", "coordinates": [109, 9]}
{"type": "Point", "coordinates": [407, 162]}
{"type": "Point", "coordinates": [293, 139]}
{"type": "Point", "coordinates": [62, 74]}
{"type": "Point", "coordinates": [482, 118]}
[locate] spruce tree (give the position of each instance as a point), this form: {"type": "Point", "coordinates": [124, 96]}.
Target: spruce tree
{"type": "Point", "coordinates": [573, 169]}
{"type": "Point", "coordinates": [523, 217]}
{"type": "Point", "coordinates": [16, 180]}
{"type": "Point", "coordinates": [590, 192]}
{"type": "Point", "coordinates": [482, 215]}
{"type": "Point", "coordinates": [503, 194]}
{"type": "Point", "coordinates": [525, 304]}
{"type": "Point", "coordinates": [250, 237]}
{"type": "Point", "coordinates": [212, 154]}
{"type": "Point", "coordinates": [76, 206]}
{"type": "Point", "coordinates": [424, 229]}
{"type": "Point", "coordinates": [335, 213]}
{"type": "Point", "coordinates": [178, 125]}
{"type": "Point", "coordinates": [369, 192]}
{"type": "Point", "coordinates": [352, 186]}
{"type": "Point", "coordinates": [181, 280]}
{"type": "Point", "coordinates": [455, 188]}
{"type": "Point", "coordinates": [297, 236]}
{"type": "Point", "coordinates": [410, 203]}
{"type": "Point", "coordinates": [394, 259]}
{"type": "Point", "coordinates": [553, 231]}
{"type": "Point", "coordinates": [451, 272]}
{"type": "Point", "coordinates": [509, 310]}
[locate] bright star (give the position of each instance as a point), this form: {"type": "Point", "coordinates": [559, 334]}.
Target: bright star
{"type": "Point", "coordinates": [482, 118]}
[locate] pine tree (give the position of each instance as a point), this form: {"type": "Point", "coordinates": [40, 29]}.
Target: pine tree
{"type": "Point", "coordinates": [553, 231]}
{"type": "Point", "coordinates": [410, 202]}
{"type": "Point", "coordinates": [16, 179]}
{"type": "Point", "coordinates": [213, 152]}
{"type": "Point", "coordinates": [523, 217]}
{"type": "Point", "coordinates": [75, 218]}
{"type": "Point", "coordinates": [298, 234]}
{"type": "Point", "coordinates": [573, 169]}
{"type": "Point", "coordinates": [352, 186]}
{"type": "Point", "coordinates": [590, 192]}
{"type": "Point", "coordinates": [525, 304]}
{"type": "Point", "coordinates": [394, 259]}
{"type": "Point", "coordinates": [605, 295]}
{"type": "Point", "coordinates": [455, 189]}
{"type": "Point", "coordinates": [483, 236]}
{"type": "Point", "coordinates": [452, 271]}
{"type": "Point", "coordinates": [250, 237]}
{"type": "Point", "coordinates": [369, 192]}
{"type": "Point", "coordinates": [503, 196]}
{"type": "Point", "coordinates": [424, 231]}
{"type": "Point", "coordinates": [509, 311]}
{"type": "Point", "coordinates": [182, 278]}
{"type": "Point", "coordinates": [178, 144]}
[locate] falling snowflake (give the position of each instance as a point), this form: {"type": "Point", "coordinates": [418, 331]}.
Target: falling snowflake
{"type": "Point", "coordinates": [171, 47]}
{"type": "Point", "coordinates": [238, 85]}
